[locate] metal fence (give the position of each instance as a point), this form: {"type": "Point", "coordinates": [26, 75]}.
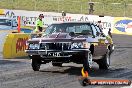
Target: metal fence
{"type": "Point", "coordinates": [69, 6]}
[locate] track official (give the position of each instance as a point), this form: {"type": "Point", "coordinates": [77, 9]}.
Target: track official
{"type": "Point", "coordinates": [39, 24]}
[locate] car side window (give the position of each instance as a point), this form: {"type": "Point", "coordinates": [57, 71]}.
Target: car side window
{"type": "Point", "coordinates": [86, 30]}
{"type": "Point", "coordinates": [70, 29]}
{"type": "Point", "coordinates": [94, 30]}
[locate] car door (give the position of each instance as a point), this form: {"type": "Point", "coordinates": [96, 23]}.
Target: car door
{"type": "Point", "coordinates": [102, 40]}
{"type": "Point", "coordinates": [100, 46]}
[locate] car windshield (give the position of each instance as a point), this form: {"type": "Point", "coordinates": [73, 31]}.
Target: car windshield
{"type": "Point", "coordinates": [77, 28]}
{"type": "Point", "coordinates": [5, 22]}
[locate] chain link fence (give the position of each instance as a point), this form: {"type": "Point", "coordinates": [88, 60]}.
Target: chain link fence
{"type": "Point", "coordinates": [69, 6]}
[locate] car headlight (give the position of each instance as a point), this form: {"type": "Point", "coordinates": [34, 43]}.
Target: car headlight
{"type": "Point", "coordinates": [36, 46]}
{"type": "Point", "coordinates": [80, 45]}
{"type": "Point", "coordinates": [33, 46]}
{"type": "Point", "coordinates": [76, 45]}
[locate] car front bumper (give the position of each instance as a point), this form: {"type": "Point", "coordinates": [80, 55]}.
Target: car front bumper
{"type": "Point", "coordinates": [56, 53]}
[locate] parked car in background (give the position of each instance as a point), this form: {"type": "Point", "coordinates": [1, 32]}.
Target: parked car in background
{"type": "Point", "coordinates": [8, 23]}
{"type": "Point", "coordinates": [78, 42]}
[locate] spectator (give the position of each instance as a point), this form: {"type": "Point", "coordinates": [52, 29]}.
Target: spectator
{"type": "Point", "coordinates": [109, 32]}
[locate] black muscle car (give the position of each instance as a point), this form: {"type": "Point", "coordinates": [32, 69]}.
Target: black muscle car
{"type": "Point", "coordinates": [78, 42]}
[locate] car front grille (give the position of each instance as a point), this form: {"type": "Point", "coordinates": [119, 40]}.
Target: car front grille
{"type": "Point", "coordinates": [55, 46]}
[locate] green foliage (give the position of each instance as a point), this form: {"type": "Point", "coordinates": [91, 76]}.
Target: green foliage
{"type": "Point", "coordinates": [104, 7]}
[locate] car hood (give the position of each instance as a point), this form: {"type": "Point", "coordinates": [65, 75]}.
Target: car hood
{"type": "Point", "coordinates": [60, 37]}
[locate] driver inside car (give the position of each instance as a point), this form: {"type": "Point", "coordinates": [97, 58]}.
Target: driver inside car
{"type": "Point", "coordinates": [61, 30]}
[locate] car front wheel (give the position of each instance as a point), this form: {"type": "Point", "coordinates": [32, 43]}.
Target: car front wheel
{"type": "Point", "coordinates": [36, 64]}
{"type": "Point", "coordinates": [87, 64]}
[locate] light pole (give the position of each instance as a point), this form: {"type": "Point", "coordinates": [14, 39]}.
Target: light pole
{"type": "Point", "coordinates": [35, 4]}
{"type": "Point", "coordinates": [125, 5]}
{"type": "Point", "coordinates": [81, 7]}
{"type": "Point", "coordinates": [58, 5]}
{"type": "Point", "coordinates": [12, 4]}
{"type": "Point", "coordinates": [103, 7]}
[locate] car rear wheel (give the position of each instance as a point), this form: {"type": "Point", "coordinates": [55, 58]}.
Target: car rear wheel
{"type": "Point", "coordinates": [87, 64]}
{"type": "Point", "coordinates": [104, 63]}
{"type": "Point", "coordinates": [111, 49]}
{"type": "Point", "coordinates": [57, 64]}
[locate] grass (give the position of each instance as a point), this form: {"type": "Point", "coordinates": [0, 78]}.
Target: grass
{"type": "Point", "coordinates": [71, 6]}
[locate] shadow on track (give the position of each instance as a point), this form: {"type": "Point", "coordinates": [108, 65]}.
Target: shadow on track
{"type": "Point", "coordinates": [94, 72]}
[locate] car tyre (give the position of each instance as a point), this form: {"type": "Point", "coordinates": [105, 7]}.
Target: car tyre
{"type": "Point", "coordinates": [35, 65]}
{"type": "Point", "coordinates": [87, 64]}
{"type": "Point", "coordinates": [112, 47]}
{"type": "Point", "coordinates": [104, 63]}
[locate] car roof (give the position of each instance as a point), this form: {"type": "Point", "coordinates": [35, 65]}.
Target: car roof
{"type": "Point", "coordinates": [6, 18]}
{"type": "Point", "coordinates": [72, 22]}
